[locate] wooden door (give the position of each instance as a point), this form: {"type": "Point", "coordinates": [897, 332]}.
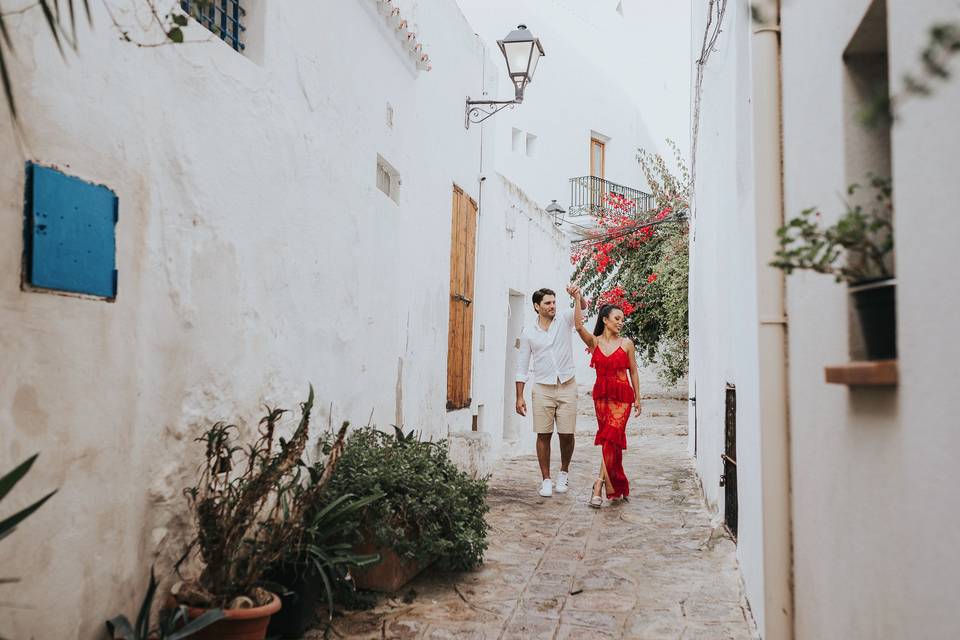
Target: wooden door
{"type": "Point", "coordinates": [598, 162]}
{"type": "Point", "coordinates": [463, 247]}
{"type": "Point", "coordinates": [598, 158]}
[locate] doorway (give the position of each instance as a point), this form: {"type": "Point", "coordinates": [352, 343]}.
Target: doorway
{"type": "Point", "coordinates": [511, 421]}
{"type": "Point", "coordinates": [730, 499]}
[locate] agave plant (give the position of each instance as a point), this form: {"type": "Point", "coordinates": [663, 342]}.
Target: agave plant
{"type": "Point", "coordinates": [173, 623]}
{"type": "Point", "coordinates": [7, 483]}
{"type": "Point", "coordinates": [326, 551]}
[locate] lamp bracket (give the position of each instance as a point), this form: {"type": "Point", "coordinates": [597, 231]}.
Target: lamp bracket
{"type": "Point", "coordinates": [479, 110]}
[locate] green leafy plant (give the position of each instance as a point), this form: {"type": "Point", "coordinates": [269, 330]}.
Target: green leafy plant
{"type": "Point", "coordinates": [942, 45]}
{"type": "Point", "coordinates": [9, 524]}
{"type": "Point", "coordinates": [60, 17]}
{"type": "Point", "coordinates": [7, 483]}
{"type": "Point", "coordinates": [173, 624]}
{"type": "Point", "coordinates": [640, 261]}
{"type": "Point", "coordinates": [430, 510]}
{"type": "Point", "coordinates": [856, 248]}
{"type": "Point", "coordinates": [325, 551]}
{"type": "Point", "coordinates": [250, 506]}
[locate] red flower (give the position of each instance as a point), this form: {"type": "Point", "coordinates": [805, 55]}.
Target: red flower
{"type": "Point", "coordinates": [651, 278]}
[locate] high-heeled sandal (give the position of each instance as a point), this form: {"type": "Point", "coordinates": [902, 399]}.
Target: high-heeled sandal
{"type": "Point", "coordinates": [596, 500]}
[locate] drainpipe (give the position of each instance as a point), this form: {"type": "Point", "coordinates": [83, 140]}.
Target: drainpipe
{"type": "Point", "coordinates": [778, 616]}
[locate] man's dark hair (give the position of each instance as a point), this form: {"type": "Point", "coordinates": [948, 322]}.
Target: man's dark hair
{"type": "Point", "coordinates": [539, 294]}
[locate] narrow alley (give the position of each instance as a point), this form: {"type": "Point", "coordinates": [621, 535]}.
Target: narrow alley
{"type": "Point", "coordinates": [653, 568]}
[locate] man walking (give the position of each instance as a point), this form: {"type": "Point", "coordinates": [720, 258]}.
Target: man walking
{"type": "Point", "coordinates": [548, 344]}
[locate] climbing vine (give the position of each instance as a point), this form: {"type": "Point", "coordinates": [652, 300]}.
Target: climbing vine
{"type": "Point", "coordinates": [164, 26]}
{"type": "Point", "coordinates": [639, 260]}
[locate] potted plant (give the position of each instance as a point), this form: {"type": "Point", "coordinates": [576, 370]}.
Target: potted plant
{"type": "Point", "coordinates": [856, 249]}
{"type": "Point", "coordinates": [172, 624]}
{"type": "Point", "coordinates": [430, 513]}
{"type": "Point", "coordinates": [249, 513]}
{"type": "Point", "coordinates": [319, 565]}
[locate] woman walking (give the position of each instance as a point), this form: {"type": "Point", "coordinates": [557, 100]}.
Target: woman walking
{"type": "Point", "coordinates": [613, 394]}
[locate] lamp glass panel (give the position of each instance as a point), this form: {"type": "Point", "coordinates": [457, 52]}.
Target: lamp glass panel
{"type": "Point", "coordinates": [533, 63]}
{"type": "Point", "coordinates": [517, 55]}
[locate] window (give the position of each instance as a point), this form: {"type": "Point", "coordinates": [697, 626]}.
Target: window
{"type": "Point", "coordinates": [531, 145]}
{"type": "Point", "coordinates": [70, 236]}
{"type": "Point", "coordinates": [225, 18]}
{"type": "Point", "coordinates": [597, 157]}
{"type": "Point", "coordinates": [388, 179]}
{"type": "Point", "coordinates": [867, 156]}
{"type": "Point", "coordinates": [516, 141]}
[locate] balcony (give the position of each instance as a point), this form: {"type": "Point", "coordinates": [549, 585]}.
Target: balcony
{"type": "Point", "coordinates": [589, 194]}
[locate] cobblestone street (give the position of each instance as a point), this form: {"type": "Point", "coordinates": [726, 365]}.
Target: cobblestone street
{"type": "Point", "coordinates": [650, 569]}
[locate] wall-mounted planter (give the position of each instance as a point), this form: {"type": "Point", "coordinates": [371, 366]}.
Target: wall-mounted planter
{"type": "Point", "coordinates": [875, 304]}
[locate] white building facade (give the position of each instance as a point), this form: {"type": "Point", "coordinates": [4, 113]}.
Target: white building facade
{"type": "Point", "coordinates": [283, 218]}
{"type": "Point", "coordinates": [843, 497]}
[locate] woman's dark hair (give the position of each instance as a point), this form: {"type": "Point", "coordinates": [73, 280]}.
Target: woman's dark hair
{"type": "Point", "coordinates": [605, 311]}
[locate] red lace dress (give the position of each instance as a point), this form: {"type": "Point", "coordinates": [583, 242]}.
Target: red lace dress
{"type": "Point", "coordinates": [613, 397]}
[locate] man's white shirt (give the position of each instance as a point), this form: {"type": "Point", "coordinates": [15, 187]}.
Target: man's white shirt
{"type": "Point", "coordinates": [548, 353]}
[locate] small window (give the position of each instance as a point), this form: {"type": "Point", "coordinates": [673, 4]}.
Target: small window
{"type": "Point", "coordinates": [388, 180]}
{"type": "Point", "coordinates": [224, 18]}
{"type": "Point", "coordinates": [70, 236]}
{"type": "Point", "coordinates": [516, 142]}
{"type": "Point", "coordinates": [531, 145]}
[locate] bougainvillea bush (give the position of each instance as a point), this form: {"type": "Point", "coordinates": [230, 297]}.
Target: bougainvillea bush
{"type": "Point", "coordinates": [639, 260]}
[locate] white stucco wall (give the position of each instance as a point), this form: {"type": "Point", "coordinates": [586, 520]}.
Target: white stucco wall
{"type": "Point", "coordinates": [723, 289]}
{"type": "Point", "coordinates": [874, 515]}
{"type": "Point", "coordinates": [872, 525]}
{"type": "Point", "coordinates": [521, 250]}
{"type": "Point", "coordinates": [255, 255]}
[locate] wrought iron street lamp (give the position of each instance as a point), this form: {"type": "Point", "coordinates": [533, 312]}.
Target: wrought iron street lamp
{"type": "Point", "coordinates": [522, 52]}
{"type": "Point", "coordinates": [556, 211]}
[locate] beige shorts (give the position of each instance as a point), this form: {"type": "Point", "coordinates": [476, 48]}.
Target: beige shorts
{"type": "Point", "coordinates": [555, 404]}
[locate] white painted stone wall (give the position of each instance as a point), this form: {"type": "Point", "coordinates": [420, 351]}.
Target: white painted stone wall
{"type": "Point", "coordinates": [255, 255]}
{"type": "Point", "coordinates": [872, 527]}
{"type": "Point", "coordinates": [875, 522]}
{"type": "Point", "coordinates": [723, 308]}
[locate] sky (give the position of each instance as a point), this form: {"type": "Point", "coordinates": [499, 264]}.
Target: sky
{"type": "Point", "coordinates": [643, 44]}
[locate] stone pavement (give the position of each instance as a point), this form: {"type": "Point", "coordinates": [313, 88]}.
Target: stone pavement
{"type": "Point", "coordinates": [652, 568]}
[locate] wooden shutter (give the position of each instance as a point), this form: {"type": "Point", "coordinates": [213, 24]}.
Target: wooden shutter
{"type": "Point", "coordinates": [463, 246]}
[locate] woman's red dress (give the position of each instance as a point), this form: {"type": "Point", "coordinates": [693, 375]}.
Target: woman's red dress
{"type": "Point", "coordinates": [613, 397]}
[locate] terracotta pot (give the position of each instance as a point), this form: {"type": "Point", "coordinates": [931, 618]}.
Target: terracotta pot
{"type": "Point", "coordinates": [239, 624]}
{"type": "Point", "coordinates": [388, 575]}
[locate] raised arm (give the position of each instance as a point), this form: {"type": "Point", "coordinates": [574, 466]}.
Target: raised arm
{"type": "Point", "coordinates": [578, 306]}
{"type": "Point", "coordinates": [634, 373]}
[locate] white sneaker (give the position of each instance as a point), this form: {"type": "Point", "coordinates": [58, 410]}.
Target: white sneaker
{"type": "Point", "coordinates": [562, 482]}
{"type": "Point", "coordinates": [546, 488]}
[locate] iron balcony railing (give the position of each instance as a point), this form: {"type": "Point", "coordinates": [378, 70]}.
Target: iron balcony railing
{"type": "Point", "coordinates": [590, 194]}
